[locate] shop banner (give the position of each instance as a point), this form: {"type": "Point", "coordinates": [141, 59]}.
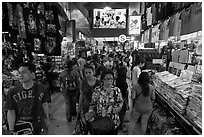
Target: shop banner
{"type": "Point", "coordinates": [134, 25]}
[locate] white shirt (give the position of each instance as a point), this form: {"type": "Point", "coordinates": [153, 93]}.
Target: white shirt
{"type": "Point", "coordinates": [135, 75]}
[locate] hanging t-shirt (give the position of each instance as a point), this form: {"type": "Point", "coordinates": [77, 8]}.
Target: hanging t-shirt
{"type": "Point", "coordinates": [155, 34]}
{"type": "Point", "coordinates": [149, 16]}
{"type": "Point", "coordinates": [146, 36]}
{"type": "Point", "coordinates": [154, 14]}
{"type": "Point", "coordinates": [171, 25]}
{"type": "Point", "coordinates": [196, 17]}
{"type": "Point", "coordinates": [176, 25]}
{"type": "Point", "coordinates": [183, 56]}
{"type": "Point", "coordinates": [185, 21]}
{"type": "Point", "coordinates": [161, 31]}
{"type": "Point", "coordinates": [164, 32]}
{"type": "Point", "coordinates": [166, 29]}
{"type": "Point", "coordinates": [41, 19]}
{"type": "Point", "coordinates": [159, 11]}
{"type": "Point", "coordinates": [144, 21]}
{"type": "Point", "coordinates": [21, 22]}
{"type": "Point", "coordinates": [30, 20]}
{"type": "Point", "coordinates": [175, 56]}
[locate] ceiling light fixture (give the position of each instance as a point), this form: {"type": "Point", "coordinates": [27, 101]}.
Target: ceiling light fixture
{"type": "Point", "coordinates": [107, 8]}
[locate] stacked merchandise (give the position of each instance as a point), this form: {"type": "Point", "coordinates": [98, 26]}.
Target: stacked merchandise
{"type": "Point", "coordinates": [194, 108]}
{"type": "Point", "coordinates": [182, 95]}
{"type": "Point", "coordinates": [161, 122]}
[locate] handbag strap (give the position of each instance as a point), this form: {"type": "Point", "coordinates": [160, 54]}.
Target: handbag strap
{"type": "Point", "coordinates": [35, 106]}
{"type": "Point", "coordinates": [138, 95]}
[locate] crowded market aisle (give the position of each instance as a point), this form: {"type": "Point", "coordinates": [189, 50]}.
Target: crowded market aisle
{"type": "Point", "coordinates": [140, 57]}
{"type": "Point", "coordinates": [58, 122]}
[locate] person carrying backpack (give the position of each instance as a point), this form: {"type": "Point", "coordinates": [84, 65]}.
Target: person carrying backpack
{"type": "Point", "coordinates": [70, 83]}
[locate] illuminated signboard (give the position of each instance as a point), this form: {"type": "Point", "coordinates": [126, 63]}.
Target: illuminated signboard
{"type": "Point", "coordinates": [134, 25]}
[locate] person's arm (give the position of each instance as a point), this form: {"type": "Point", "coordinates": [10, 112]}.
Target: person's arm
{"type": "Point", "coordinates": [132, 97]}
{"type": "Point", "coordinates": [45, 106]}
{"type": "Point", "coordinates": [46, 112]}
{"type": "Point", "coordinates": [118, 102]}
{"type": "Point", "coordinates": [80, 98]}
{"type": "Point", "coordinates": [134, 77]}
{"type": "Point", "coordinates": [11, 118]}
{"type": "Point", "coordinates": [153, 94]}
{"type": "Point", "coordinates": [10, 107]}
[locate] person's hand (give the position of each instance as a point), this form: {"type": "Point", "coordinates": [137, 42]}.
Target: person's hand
{"type": "Point", "coordinates": [78, 110]}
{"type": "Point", "coordinates": [47, 123]}
{"type": "Point", "coordinates": [89, 116]}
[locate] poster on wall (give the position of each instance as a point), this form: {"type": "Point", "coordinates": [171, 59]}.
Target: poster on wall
{"type": "Point", "coordinates": [134, 26]}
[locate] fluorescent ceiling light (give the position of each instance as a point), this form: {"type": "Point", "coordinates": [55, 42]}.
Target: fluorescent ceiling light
{"type": "Point", "coordinates": [107, 8]}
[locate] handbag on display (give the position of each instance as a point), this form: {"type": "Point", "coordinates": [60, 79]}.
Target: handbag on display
{"type": "Point", "coordinates": [80, 127]}
{"type": "Point", "coordinates": [102, 125]}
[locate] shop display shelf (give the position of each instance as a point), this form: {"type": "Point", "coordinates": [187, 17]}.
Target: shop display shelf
{"type": "Point", "coordinates": [185, 122]}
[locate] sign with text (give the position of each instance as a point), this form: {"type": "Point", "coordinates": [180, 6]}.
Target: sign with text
{"type": "Point", "coordinates": [134, 25]}
{"type": "Point", "coordinates": [122, 38]}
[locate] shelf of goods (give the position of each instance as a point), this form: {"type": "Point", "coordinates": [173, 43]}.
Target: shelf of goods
{"type": "Point", "coordinates": [183, 99]}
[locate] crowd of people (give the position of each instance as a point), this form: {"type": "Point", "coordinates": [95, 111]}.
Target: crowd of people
{"type": "Point", "coordinates": [98, 85]}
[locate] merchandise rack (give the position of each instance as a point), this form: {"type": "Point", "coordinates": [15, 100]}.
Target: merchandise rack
{"type": "Point", "coordinates": [185, 122]}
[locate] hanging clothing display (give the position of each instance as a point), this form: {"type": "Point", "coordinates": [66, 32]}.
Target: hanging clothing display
{"type": "Point", "coordinates": [185, 21]}
{"type": "Point", "coordinates": [171, 25]}
{"type": "Point", "coordinates": [21, 22]}
{"type": "Point", "coordinates": [146, 36]}
{"type": "Point", "coordinates": [175, 56]}
{"type": "Point", "coordinates": [176, 25]}
{"type": "Point", "coordinates": [196, 17]}
{"type": "Point", "coordinates": [144, 21]}
{"type": "Point", "coordinates": [159, 11]}
{"type": "Point", "coordinates": [164, 31]}
{"type": "Point", "coordinates": [184, 56]}
{"type": "Point", "coordinates": [149, 16]}
{"type": "Point", "coordinates": [154, 14]}
{"type": "Point", "coordinates": [155, 34]}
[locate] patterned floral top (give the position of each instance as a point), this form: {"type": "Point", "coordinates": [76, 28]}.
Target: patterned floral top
{"type": "Point", "coordinates": [104, 101]}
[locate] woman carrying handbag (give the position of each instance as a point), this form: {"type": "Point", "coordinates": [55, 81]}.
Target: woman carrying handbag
{"type": "Point", "coordinates": [106, 103]}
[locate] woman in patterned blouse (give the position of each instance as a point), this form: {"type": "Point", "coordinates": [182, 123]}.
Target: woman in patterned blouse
{"type": "Point", "coordinates": [106, 100]}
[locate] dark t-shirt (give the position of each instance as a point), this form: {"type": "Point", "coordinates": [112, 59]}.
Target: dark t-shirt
{"type": "Point", "coordinates": [88, 90]}
{"type": "Point", "coordinates": [22, 100]}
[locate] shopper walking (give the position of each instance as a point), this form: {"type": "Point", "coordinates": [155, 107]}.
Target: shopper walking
{"type": "Point", "coordinates": [106, 101]}
{"type": "Point", "coordinates": [137, 70]}
{"type": "Point", "coordinates": [70, 85]}
{"type": "Point", "coordinates": [89, 83]}
{"type": "Point", "coordinates": [121, 83]}
{"type": "Point", "coordinates": [48, 69]}
{"type": "Point", "coordinates": [28, 101]}
{"type": "Point", "coordinates": [144, 94]}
